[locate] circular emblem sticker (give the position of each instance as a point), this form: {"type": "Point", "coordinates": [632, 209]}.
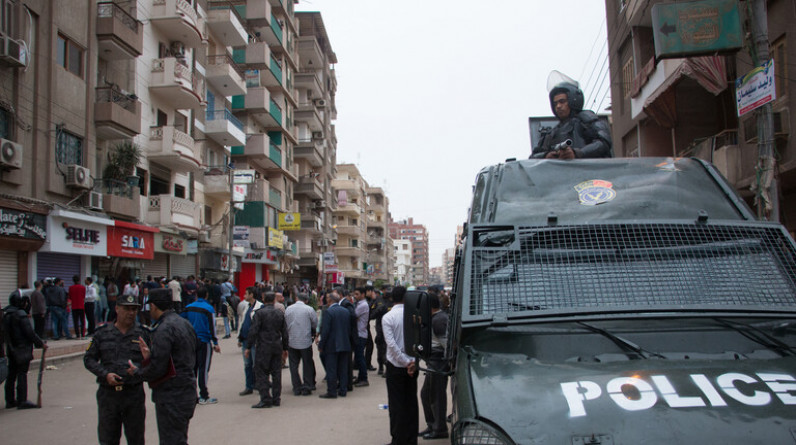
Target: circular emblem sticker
{"type": "Point", "coordinates": [595, 192]}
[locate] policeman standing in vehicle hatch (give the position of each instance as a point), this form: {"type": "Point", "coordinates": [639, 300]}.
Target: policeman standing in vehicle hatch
{"type": "Point", "coordinates": [579, 133]}
{"type": "Point", "coordinates": [120, 397]}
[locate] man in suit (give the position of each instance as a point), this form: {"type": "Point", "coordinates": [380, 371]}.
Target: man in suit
{"type": "Point", "coordinates": [335, 347]}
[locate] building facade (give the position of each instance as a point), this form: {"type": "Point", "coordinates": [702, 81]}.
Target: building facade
{"type": "Point", "coordinates": [687, 106]}
{"type": "Point", "coordinates": [418, 235]}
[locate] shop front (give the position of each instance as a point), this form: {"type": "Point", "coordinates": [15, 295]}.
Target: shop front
{"type": "Point", "coordinates": [74, 240]}
{"type": "Point", "coordinates": [256, 267]}
{"type": "Point", "coordinates": [184, 266]}
{"type": "Point", "coordinates": [171, 256]}
{"type": "Point", "coordinates": [215, 263]}
{"type": "Point", "coordinates": [22, 230]}
{"type": "Point", "coordinates": [131, 248]}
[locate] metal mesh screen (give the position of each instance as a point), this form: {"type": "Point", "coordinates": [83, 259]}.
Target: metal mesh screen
{"type": "Point", "coordinates": [566, 267]}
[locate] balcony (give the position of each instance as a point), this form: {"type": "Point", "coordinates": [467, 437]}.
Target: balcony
{"type": "Point", "coordinates": [258, 12]}
{"type": "Point", "coordinates": [225, 75]}
{"type": "Point", "coordinates": [310, 151]}
{"type": "Point", "coordinates": [256, 102]}
{"type": "Point", "coordinates": [655, 81]}
{"type": "Point", "coordinates": [256, 56]}
{"type": "Point", "coordinates": [309, 80]}
{"type": "Point", "coordinates": [341, 251]}
{"type": "Point", "coordinates": [226, 24]}
{"type": "Point", "coordinates": [173, 148]}
{"type": "Point", "coordinates": [260, 150]}
{"type": "Point", "coordinates": [120, 200]}
{"type": "Point", "coordinates": [224, 128]}
{"type": "Point", "coordinates": [349, 230]}
{"type": "Point", "coordinates": [310, 53]}
{"type": "Point", "coordinates": [309, 187]}
{"type": "Point", "coordinates": [260, 190]}
{"type": "Point", "coordinates": [309, 258]}
{"type": "Point", "coordinates": [177, 84]}
{"type": "Point", "coordinates": [349, 210]}
{"type": "Point", "coordinates": [310, 222]}
{"type": "Point", "coordinates": [275, 198]}
{"type": "Point", "coordinates": [216, 183]}
{"type": "Point", "coordinates": [307, 112]}
{"type": "Point", "coordinates": [167, 210]}
{"type": "Point", "coordinates": [177, 21]}
{"type": "Point", "coordinates": [119, 35]}
{"type": "Point", "coordinates": [116, 115]}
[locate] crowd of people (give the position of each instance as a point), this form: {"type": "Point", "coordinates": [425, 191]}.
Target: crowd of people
{"type": "Point", "coordinates": [173, 323]}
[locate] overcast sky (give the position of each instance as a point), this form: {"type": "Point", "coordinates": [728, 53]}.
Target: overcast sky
{"type": "Point", "coordinates": [429, 92]}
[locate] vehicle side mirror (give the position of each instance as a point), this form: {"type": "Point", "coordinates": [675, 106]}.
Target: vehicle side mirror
{"type": "Point", "coordinates": [417, 324]}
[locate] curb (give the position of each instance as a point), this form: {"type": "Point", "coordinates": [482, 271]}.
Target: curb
{"type": "Point", "coordinates": [34, 365]}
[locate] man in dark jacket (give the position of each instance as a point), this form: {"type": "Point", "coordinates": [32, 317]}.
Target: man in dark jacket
{"type": "Point", "coordinates": [378, 308]}
{"type": "Point", "coordinates": [168, 367]}
{"type": "Point", "coordinates": [348, 305]}
{"type": "Point", "coordinates": [19, 341]}
{"type": "Point", "coordinates": [335, 346]}
{"type": "Point", "coordinates": [55, 298]}
{"type": "Point", "coordinates": [268, 336]}
{"type": "Point", "coordinates": [120, 398]}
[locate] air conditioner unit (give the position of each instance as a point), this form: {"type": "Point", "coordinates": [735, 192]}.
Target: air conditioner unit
{"type": "Point", "coordinates": [78, 177]}
{"type": "Point", "coordinates": [10, 154]}
{"type": "Point", "coordinates": [317, 134]}
{"type": "Point", "coordinates": [204, 237]}
{"type": "Point", "coordinates": [95, 200]}
{"type": "Point", "coordinates": [320, 204]}
{"type": "Point", "coordinates": [320, 102]}
{"type": "Point", "coordinates": [13, 52]}
{"type": "Point", "coordinates": [325, 243]}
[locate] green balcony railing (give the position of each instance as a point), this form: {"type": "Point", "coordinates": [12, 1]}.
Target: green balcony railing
{"type": "Point", "coordinates": [239, 55]}
{"type": "Point", "coordinates": [239, 102]}
{"type": "Point", "coordinates": [276, 28]}
{"type": "Point", "coordinates": [275, 198]}
{"type": "Point", "coordinates": [276, 111]}
{"type": "Point", "coordinates": [275, 154]}
{"type": "Point", "coordinates": [276, 69]}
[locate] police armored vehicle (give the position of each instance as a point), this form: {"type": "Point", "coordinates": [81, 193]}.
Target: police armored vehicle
{"type": "Point", "coordinates": [617, 301]}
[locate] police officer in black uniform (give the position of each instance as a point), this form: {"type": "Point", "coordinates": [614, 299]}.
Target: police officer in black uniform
{"type": "Point", "coordinates": [19, 340]}
{"type": "Point", "coordinates": [168, 367]}
{"type": "Point", "coordinates": [580, 133]}
{"type": "Point", "coordinates": [120, 397]}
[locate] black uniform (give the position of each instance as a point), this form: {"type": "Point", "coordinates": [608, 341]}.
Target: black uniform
{"type": "Point", "coordinates": [378, 308]}
{"type": "Point", "coordinates": [268, 337]}
{"type": "Point", "coordinates": [173, 389]}
{"type": "Point", "coordinates": [109, 352]}
{"type": "Point", "coordinates": [19, 341]}
{"type": "Point", "coordinates": [590, 136]}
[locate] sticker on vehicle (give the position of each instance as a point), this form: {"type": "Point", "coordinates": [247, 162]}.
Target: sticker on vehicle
{"type": "Point", "coordinates": [595, 191]}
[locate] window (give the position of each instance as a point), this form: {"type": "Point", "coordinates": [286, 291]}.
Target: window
{"type": "Point", "coordinates": [627, 78]}
{"type": "Point", "coordinates": [5, 124]}
{"type": "Point", "coordinates": [69, 148]}
{"type": "Point", "coordinates": [179, 191]}
{"type": "Point", "coordinates": [8, 18]}
{"type": "Point", "coordinates": [70, 55]}
{"type": "Point", "coordinates": [779, 53]}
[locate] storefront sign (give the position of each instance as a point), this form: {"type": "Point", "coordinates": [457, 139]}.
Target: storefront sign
{"type": "Point", "coordinates": [172, 244]}
{"type": "Point", "coordinates": [127, 240]}
{"type": "Point", "coordinates": [331, 268]}
{"type": "Point", "coordinates": [290, 221]}
{"type": "Point", "coordinates": [23, 225]}
{"type": "Point", "coordinates": [77, 237]}
{"type": "Point", "coordinates": [276, 238]}
{"type": "Point", "coordinates": [328, 257]}
{"type": "Point", "coordinates": [260, 257]}
{"type": "Point", "coordinates": [239, 195]}
{"type": "Point", "coordinates": [755, 89]}
{"type": "Point", "coordinates": [240, 236]}
{"type": "Point", "coordinates": [244, 176]}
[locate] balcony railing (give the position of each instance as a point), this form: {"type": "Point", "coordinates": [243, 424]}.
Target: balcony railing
{"type": "Point", "coordinates": [224, 114]}
{"type": "Point", "coordinates": [276, 68]}
{"type": "Point", "coordinates": [112, 95]}
{"type": "Point", "coordinates": [116, 114]}
{"type": "Point", "coordinates": [115, 187]}
{"type": "Point", "coordinates": [225, 59]}
{"type": "Point", "coordinates": [112, 10]}
{"type": "Point", "coordinates": [276, 112]}
{"type": "Point", "coordinates": [275, 198]}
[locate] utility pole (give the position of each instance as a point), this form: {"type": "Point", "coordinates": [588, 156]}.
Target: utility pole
{"type": "Point", "coordinates": [231, 216]}
{"type": "Point", "coordinates": [766, 197]}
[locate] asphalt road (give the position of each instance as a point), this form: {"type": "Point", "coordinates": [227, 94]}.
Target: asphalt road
{"type": "Point", "coordinates": [69, 412]}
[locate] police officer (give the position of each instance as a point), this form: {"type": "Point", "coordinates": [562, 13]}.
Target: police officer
{"type": "Point", "coordinates": [579, 133]}
{"type": "Point", "coordinates": [120, 397]}
{"type": "Point", "coordinates": [19, 341]}
{"type": "Point", "coordinates": [168, 367]}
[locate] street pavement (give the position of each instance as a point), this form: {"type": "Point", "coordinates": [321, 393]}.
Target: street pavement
{"type": "Point", "coordinates": [69, 411]}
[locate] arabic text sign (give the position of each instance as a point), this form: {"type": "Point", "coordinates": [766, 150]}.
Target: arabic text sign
{"type": "Point", "coordinates": [694, 28]}
{"type": "Point", "coordinates": [289, 221]}
{"type": "Point", "coordinates": [755, 89]}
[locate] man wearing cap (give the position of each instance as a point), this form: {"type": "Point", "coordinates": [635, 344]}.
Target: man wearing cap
{"type": "Point", "coordinates": [120, 397]}
{"type": "Point", "coordinates": [168, 367]}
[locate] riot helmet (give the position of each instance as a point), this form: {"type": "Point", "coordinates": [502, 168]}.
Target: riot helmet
{"type": "Point", "coordinates": [558, 83]}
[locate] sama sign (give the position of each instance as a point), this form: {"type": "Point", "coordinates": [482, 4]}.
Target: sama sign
{"type": "Point", "coordinates": [23, 225]}
{"type": "Point", "coordinates": [696, 28]}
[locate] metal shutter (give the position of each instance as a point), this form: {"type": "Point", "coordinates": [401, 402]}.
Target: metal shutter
{"type": "Point", "coordinates": [183, 265]}
{"type": "Point", "coordinates": [8, 275]}
{"type": "Point", "coordinates": [61, 265]}
{"type": "Point", "coordinates": [158, 267]}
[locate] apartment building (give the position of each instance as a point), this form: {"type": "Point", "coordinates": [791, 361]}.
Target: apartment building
{"type": "Point", "coordinates": [378, 242]}
{"type": "Point", "coordinates": [198, 89]}
{"type": "Point", "coordinates": [403, 273]}
{"type": "Point", "coordinates": [315, 153]}
{"type": "Point", "coordinates": [418, 235]}
{"type": "Point", "coordinates": [686, 106]}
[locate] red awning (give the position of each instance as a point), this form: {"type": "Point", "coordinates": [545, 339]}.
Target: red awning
{"type": "Point", "coordinates": [133, 226]}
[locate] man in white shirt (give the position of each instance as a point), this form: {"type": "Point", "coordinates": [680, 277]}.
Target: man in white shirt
{"type": "Point", "coordinates": [90, 302]}
{"type": "Point", "coordinates": [401, 375]}
{"type": "Point", "coordinates": [176, 293]}
{"type": "Point", "coordinates": [362, 312]}
{"type": "Point", "coordinates": [302, 322]}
